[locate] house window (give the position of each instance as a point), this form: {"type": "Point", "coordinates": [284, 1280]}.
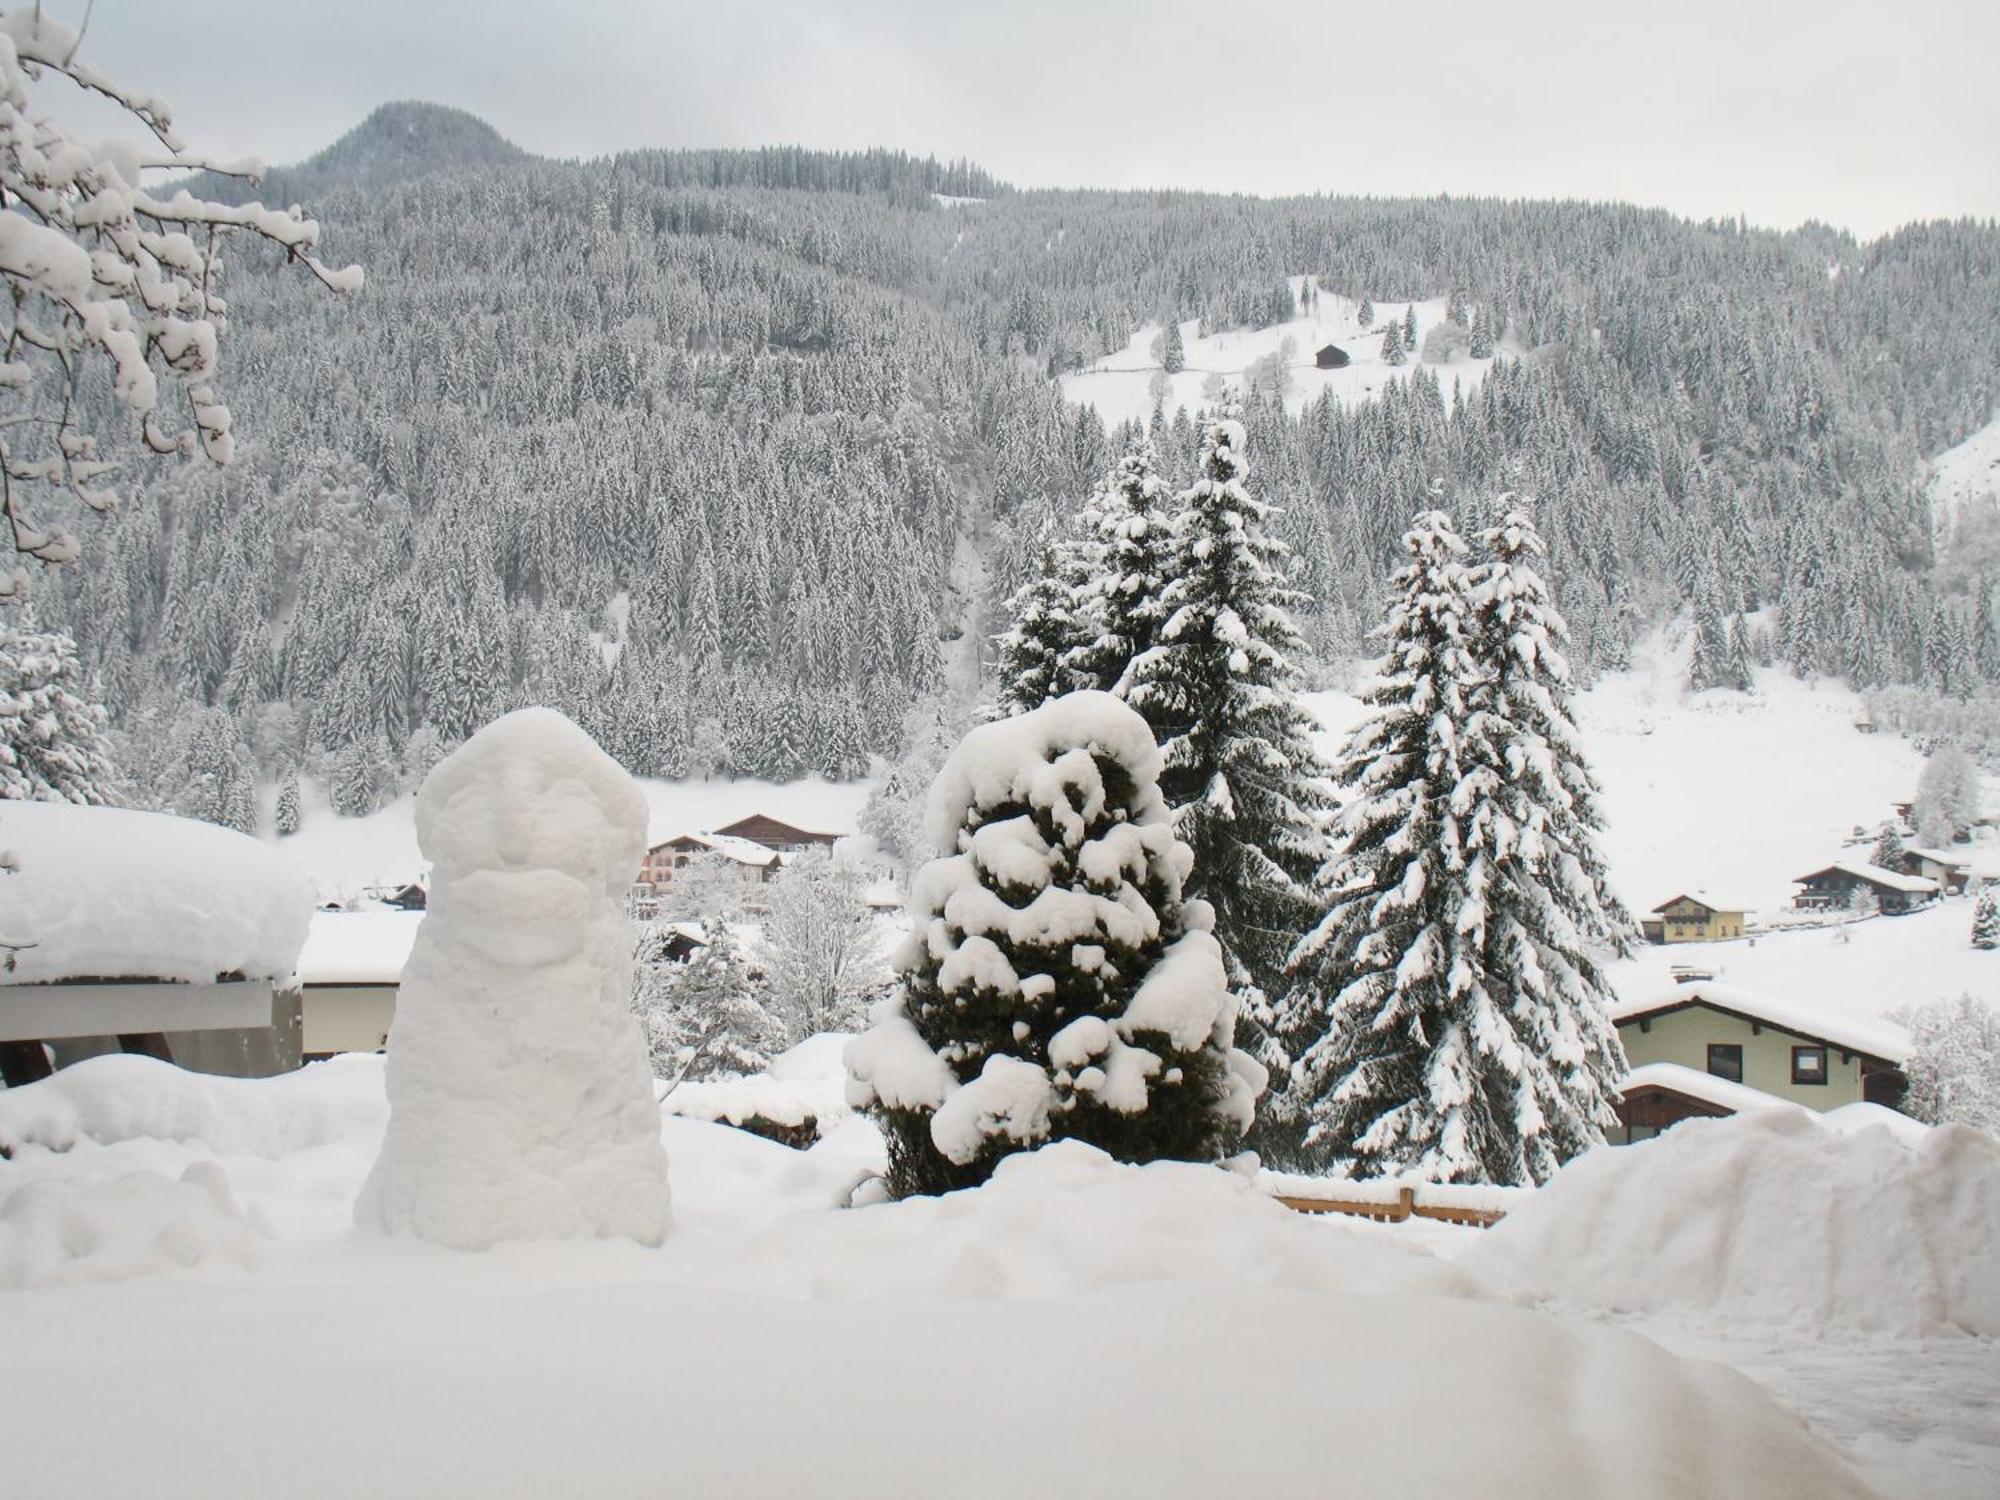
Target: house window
{"type": "Point", "coordinates": [1808, 1065]}
{"type": "Point", "coordinates": [1725, 1060]}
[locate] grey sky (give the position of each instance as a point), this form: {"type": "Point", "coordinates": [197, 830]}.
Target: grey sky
{"type": "Point", "coordinates": [1858, 112]}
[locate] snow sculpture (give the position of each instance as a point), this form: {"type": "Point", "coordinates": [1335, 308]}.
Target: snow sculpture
{"type": "Point", "coordinates": [520, 1102]}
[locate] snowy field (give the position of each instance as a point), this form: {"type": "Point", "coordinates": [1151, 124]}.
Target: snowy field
{"type": "Point", "coordinates": [187, 1281]}
{"type": "Point", "coordinates": [1119, 384]}
{"type": "Point", "coordinates": [1966, 475]}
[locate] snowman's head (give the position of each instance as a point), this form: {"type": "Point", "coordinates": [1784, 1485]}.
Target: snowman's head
{"type": "Point", "coordinates": [531, 791]}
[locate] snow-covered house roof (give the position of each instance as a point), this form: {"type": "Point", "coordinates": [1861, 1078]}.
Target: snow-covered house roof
{"type": "Point", "coordinates": [109, 894]}
{"type": "Point", "coordinates": [1703, 898]}
{"type": "Point", "coordinates": [1891, 880]}
{"type": "Point", "coordinates": [1879, 1039]}
{"type": "Point", "coordinates": [1943, 857]}
{"type": "Point", "coordinates": [743, 851]}
{"type": "Point", "coordinates": [1737, 1098]}
{"type": "Point", "coordinates": [358, 947]}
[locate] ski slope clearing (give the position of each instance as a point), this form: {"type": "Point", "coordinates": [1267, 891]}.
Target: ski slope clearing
{"type": "Point", "coordinates": [1210, 1341]}
{"type": "Point", "coordinates": [342, 856]}
{"type": "Point", "coordinates": [1966, 478]}
{"type": "Point", "coordinates": [1119, 385]}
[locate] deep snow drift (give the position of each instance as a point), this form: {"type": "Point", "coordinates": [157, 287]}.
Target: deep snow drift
{"type": "Point", "coordinates": [1770, 1219]}
{"type": "Point", "coordinates": [520, 1105]}
{"type": "Point", "coordinates": [1162, 1330]}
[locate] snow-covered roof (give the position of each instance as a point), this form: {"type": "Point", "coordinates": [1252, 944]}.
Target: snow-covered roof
{"type": "Point", "coordinates": [743, 851]}
{"type": "Point", "coordinates": [106, 893]}
{"type": "Point", "coordinates": [1883, 1039]}
{"type": "Point", "coordinates": [1705, 898]}
{"type": "Point", "coordinates": [358, 947]}
{"type": "Point", "coordinates": [1738, 1098]}
{"type": "Point", "coordinates": [1914, 885]}
{"type": "Point", "coordinates": [1940, 857]}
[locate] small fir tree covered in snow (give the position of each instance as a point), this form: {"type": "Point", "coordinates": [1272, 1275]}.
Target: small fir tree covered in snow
{"type": "Point", "coordinates": [52, 735]}
{"type": "Point", "coordinates": [706, 1015]}
{"type": "Point", "coordinates": [1410, 326]}
{"type": "Point", "coordinates": [1947, 801]}
{"type": "Point", "coordinates": [1737, 672]}
{"type": "Point", "coordinates": [1366, 315]}
{"type": "Point", "coordinates": [1055, 984]}
{"type": "Point", "coordinates": [1173, 352]}
{"type": "Point", "coordinates": [1481, 346]}
{"type": "Point", "coordinates": [1986, 919]}
{"type": "Point", "coordinates": [1123, 607]}
{"type": "Point", "coordinates": [1392, 345]}
{"type": "Point", "coordinates": [1246, 788]}
{"type": "Point", "coordinates": [1889, 853]}
{"type": "Point", "coordinates": [285, 816]}
{"type": "Point", "coordinates": [823, 956]}
{"type": "Point", "coordinates": [1708, 656]}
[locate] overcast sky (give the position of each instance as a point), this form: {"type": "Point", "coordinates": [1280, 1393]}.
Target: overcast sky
{"type": "Point", "coordinates": [1858, 112]}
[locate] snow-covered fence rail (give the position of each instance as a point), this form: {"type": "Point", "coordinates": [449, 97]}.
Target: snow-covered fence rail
{"type": "Point", "coordinates": [1392, 1200]}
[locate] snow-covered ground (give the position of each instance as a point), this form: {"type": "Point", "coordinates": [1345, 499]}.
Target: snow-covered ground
{"type": "Point", "coordinates": [184, 1266]}
{"type": "Point", "coordinates": [1119, 384]}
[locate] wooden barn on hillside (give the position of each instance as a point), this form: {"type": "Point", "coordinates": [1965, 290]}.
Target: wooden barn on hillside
{"type": "Point", "coordinates": [1332, 357]}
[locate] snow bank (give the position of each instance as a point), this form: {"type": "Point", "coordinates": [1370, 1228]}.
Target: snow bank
{"type": "Point", "coordinates": [521, 1106]}
{"type": "Point", "coordinates": [106, 1100]}
{"type": "Point", "coordinates": [105, 893]}
{"type": "Point", "coordinates": [137, 1225]}
{"type": "Point", "coordinates": [1769, 1220]}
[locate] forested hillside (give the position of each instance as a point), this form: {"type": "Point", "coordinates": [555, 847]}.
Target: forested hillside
{"type": "Point", "coordinates": [706, 448]}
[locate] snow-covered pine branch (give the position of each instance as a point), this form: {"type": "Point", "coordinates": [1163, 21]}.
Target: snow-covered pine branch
{"type": "Point", "coordinates": [104, 271]}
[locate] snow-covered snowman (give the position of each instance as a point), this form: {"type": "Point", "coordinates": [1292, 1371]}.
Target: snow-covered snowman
{"type": "Point", "coordinates": [520, 1103]}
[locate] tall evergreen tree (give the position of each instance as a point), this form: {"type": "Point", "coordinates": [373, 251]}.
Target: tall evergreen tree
{"type": "Point", "coordinates": [1392, 345]}
{"type": "Point", "coordinates": [1534, 817]}
{"type": "Point", "coordinates": [1246, 787]}
{"type": "Point", "coordinates": [1122, 609]}
{"type": "Point", "coordinates": [1173, 356]}
{"type": "Point", "coordinates": [1404, 1060]}
{"type": "Point", "coordinates": [1036, 646]}
{"type": "Point", "coordinates": [1986, 919]}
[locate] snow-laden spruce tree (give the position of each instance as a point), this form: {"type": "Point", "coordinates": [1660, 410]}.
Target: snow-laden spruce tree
{"type": "Point", "coordinates": [1056, 982]}
{"type": "Point", "coordinates": [1121, 611]}
{"type": "Point", "coordinates": [104, 270]}
{"type": "Point", "coordinates": [1986, 919]}
{"type": "Point", "coordinates": [52, 735]}
{"type": "Point", "coordinates": [1532, 818]}
{"type": "Point", "coordinates": [1889, 853]}
{"type": "Point", "coordinates": [1405, 1060]}
{"type": "Point", "coordinates": [1043, 633]}
{"type": "Point", "coordinates": [1246, 788]}
{"type": "Point", "coordinates": [1947, 802]}
{"type": "Point", "coordinates": [1954, 1062]}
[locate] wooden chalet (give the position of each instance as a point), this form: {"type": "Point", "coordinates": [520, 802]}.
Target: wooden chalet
{"type": "Point", "coordinates": [1949, 871]}
{"type": "Point", "coordinates": [786, 838]}
{"type": "Point", "coordinates": [1845, 883]}
{"type": "Point", "coordinates": [758, 864]}
{"type": "Point", "coordinates": [1332, 357]}
{"type": "Point", "coordinates": [1704, 1049]}
{"type": "Point", "coordinates": [1693, 917]}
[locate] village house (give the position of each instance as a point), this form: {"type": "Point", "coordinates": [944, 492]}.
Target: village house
{"type": "Point", "coordinates": [1702, 1050]}
{"type": "Point", "coordinates": [1693, 917]}
{"type": "Point", "coordinates": [349, 973]}
{"type": "Point", "coordinates": [1332, 357]}
{"type": "Point", "coordinates": [1951, 872]}
{"type": "Point", "coordinates": [1845, 883]}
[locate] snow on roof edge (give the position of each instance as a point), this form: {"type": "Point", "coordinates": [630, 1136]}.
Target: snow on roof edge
{"type": "Point", "coordinates": [1884, 1039]}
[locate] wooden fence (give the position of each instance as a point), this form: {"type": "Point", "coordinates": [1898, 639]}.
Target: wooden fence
{"type": "Point", "coordinates": [1405, 1205]}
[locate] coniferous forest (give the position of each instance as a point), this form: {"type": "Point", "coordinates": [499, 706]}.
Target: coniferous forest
{"type": "Point", "coordinates": [733, 456]}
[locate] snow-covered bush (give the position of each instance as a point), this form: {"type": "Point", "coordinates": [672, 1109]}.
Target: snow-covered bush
{"type": "Point", "coordinates": [102, 269]}
{"type": "Point", "coordinates": [1947, 801]}
{"type": "Point", "coordinates": [1954, 1062]}
{"type": "Point", "coordinates": [520, 1106]}
{"type": "Point", "coordinates": [1055, 984]}
{"type": "Point", "coordinates": [52, 745]}
{"type": "Point", "coordinates": [706, 1015]}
